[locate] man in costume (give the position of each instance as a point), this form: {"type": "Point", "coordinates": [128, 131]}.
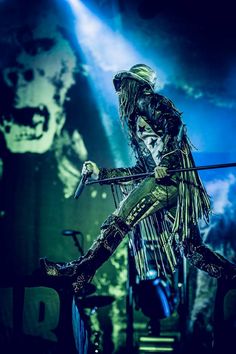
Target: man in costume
{"type": "Point", "coordinates": [158, 137]}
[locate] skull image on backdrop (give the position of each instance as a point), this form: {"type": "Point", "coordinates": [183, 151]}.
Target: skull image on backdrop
{"type": "Point", "coordinates": [39, 80]}
{"type": "Point", "coordinates": [46, 115]}
{"type": "Point", "coordinates": [37, 72]}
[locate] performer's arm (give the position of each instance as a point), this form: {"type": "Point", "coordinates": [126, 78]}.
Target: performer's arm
{"type": "Point", "coordinates": [106, 173]}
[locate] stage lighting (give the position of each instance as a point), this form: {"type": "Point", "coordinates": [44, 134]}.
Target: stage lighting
{"type": "Point", "coordinates": [105, 51]}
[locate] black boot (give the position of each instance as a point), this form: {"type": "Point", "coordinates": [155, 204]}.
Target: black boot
{"type": "Point", "coordinates": [82, 270]}
{"type": "Point", "coordinates": [204, 258]}
{"type": "Point", "coordinates": [58, 269]}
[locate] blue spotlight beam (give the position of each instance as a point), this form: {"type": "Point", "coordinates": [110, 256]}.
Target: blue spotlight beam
{"type": "Point", "coordinates": [105, 52]}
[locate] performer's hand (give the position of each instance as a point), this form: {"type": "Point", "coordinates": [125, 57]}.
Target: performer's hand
{"type": "Point", "coordinates": [90, 167]}
{"type": "Point", "coordinates": [160, 172]}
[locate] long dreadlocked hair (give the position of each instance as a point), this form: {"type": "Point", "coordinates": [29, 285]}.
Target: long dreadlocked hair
{"type": "Point", "coordinates": [129, 91]}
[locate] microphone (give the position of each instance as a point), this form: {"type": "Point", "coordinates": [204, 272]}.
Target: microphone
{"type": "Point", "coordinates": [68, 232]}
{"type": "Point", "coordinates": [81, 185]}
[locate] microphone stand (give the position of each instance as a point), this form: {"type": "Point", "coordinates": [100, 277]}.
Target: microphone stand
{"type": "Point", "coordinates": [84, 178]}
{"type": "Point", "coordinates": [77, 244]}
{"type": "Point", "coordinates": [151, 174]}
{"type": "Point", "coordinates": [73, 233]}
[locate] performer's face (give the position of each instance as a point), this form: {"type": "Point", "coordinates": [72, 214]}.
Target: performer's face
{"type": "Point", "coordinates": [38, 82]}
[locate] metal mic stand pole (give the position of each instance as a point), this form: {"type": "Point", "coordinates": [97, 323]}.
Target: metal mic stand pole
{"type": "Point", "coordinates": [84, 181]}
{"type": "Point", "coordinates": [77, 244]}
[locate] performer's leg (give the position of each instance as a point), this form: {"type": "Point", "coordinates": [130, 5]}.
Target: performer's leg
{"type": "Point", "coordinates": [201, 256]}
{"type": "Point", "coordinates": [146, 198]}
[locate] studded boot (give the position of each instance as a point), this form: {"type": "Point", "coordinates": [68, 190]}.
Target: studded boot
{"type": "Point", "coordinates": [81, 271]}
{"type": "Point", "coordinates": [204, 258]}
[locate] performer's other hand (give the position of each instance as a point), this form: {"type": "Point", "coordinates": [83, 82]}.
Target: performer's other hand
{"type": "Point", "coordinates": [160, 172]}
{"type": "Point", "coordinates": [91, 168]}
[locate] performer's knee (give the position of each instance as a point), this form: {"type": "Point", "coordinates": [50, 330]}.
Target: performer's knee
{"type": "Point", "coordinates": [117, 222]}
